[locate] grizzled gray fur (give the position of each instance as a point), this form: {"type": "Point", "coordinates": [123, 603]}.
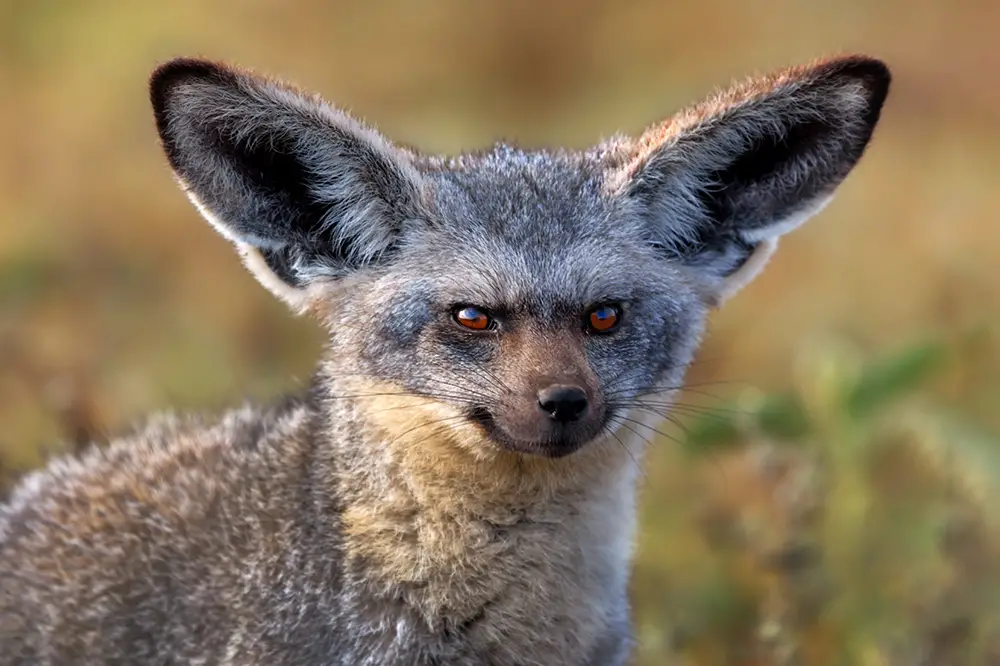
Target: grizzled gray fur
{"type": "Point", "coordinates": [458, 484]}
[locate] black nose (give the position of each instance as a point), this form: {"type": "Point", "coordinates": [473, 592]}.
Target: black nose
{"type": "Point", "coordinates": [563, 403]}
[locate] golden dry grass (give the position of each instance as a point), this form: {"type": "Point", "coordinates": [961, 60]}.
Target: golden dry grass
{"type": "Point", "coordinates": [115, 299]}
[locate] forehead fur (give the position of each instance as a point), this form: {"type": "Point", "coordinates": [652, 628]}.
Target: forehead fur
{"type": "Point", "coordinates": [539, 228]}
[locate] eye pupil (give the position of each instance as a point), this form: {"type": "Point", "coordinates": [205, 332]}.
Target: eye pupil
{"type": "Point", "coordinates": [603, 318]}
{"type": "Point", "coordinates": [473, 318]}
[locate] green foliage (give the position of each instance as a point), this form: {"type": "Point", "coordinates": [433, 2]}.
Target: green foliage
{"type": "Point", "coordinates": [884, 380]}
{"type": "Point", "coordinates": [853, 519]}
{"type": "Point", "coordinates": [783, 416]}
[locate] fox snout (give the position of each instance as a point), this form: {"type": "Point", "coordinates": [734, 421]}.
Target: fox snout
{"type": "Point", "coordinates": [555, 422]}
{"type": "Point", "coordinates": [555, 405]}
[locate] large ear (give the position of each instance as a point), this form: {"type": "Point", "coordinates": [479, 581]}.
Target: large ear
{"type": "Point", "coordinates": [305, 192]}
{"type": "Point", "coordinates": [722, 180]}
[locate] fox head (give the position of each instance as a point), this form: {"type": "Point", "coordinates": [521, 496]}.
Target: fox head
{"type": "Point", "coordinates": [536, 295]}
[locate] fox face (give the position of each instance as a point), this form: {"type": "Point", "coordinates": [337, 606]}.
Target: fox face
{"type": "Point", "coordinates": [530, 299]}
{"type": "Point", "coordinates": [542, 296]}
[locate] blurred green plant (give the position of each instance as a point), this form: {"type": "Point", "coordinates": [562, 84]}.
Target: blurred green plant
{"type": "Point", "coordinates": [835, 385]}
{"type": "Point", "coordinates": [851, 522]}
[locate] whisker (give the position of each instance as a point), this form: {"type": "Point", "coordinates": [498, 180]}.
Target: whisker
{"type": "Point", "coordinates": [462, 393]}
{"type": "Point", "coordinates": [467, 392]}
{"type": "Point", "coordinates": [669, 410]}
{"type": "Point", "coordinates": [626, 449]}
{"type": "Point", "coordinates": [670, 419]}
{"type": "Point", "coordinates": [400, 394]}
{"type": "Point", "coordinates": [621, 420]}
{"type": "Point", "coordinates": [719, 413]}
{"type": "Point", "coordinates": [654, 389]}
{"type": "Point", "coordinates": [655, 430]}
{"type": "Point", "coordinates": [486, 373]}
{"type": "Point", "coordinates": [424, 425]}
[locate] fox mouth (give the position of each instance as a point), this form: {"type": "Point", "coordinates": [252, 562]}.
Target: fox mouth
{"type": "Point", "coordinates": [561, 442]}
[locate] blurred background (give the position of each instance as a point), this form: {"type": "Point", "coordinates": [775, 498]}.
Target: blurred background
{"type": "Point", "coordinates": [827, 493]}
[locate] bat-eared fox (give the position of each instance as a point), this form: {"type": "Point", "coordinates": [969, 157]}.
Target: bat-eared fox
{"type": "Point", "coordinates": [458, 483]}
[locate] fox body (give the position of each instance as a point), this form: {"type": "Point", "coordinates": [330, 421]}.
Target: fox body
{"type": "Point", "coordinates": [457, 486]}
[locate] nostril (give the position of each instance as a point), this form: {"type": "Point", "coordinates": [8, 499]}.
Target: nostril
{"type": "Point", "coordinates": [562, 402]}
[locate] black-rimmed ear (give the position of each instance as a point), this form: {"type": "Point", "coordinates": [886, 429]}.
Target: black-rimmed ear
{"type": "Point", "coordinates": [721, 181]}
{"type": "Point", "coordinates": [305, 192]}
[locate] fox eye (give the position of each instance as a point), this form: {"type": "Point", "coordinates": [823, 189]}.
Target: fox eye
{"type": "Point", "coordinates": [603, 318]}
{"type": "Point", "coordinates": [474, 318]}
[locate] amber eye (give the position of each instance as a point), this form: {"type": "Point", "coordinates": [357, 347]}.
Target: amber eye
{"type": "Point", "coordinates": [603, 318]}
{"type": "Point", "coordinates": [473, 318]}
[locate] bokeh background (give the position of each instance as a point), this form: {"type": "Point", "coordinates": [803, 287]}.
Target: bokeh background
{"type": "Point", "coordinates": [829, 492]}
